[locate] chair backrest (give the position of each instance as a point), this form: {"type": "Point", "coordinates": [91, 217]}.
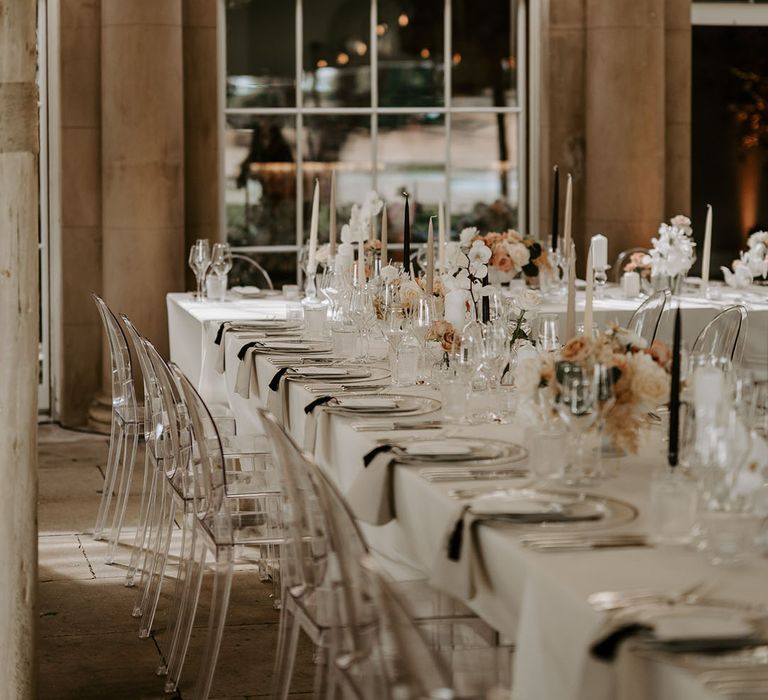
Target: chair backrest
{"type": "Point", "coordinates": [400, 665]}
{"type": "Point", "coordinates": [647, 317]}
{"type": "Point", "coordinates": [724, 335]}
{"type": "Point", "coordinates": [172, 425]}
{"type": "Point", "coordinates": [123, 386]}
{"type": "Point", "coordinates": [254, 266]}
{"type": "Point", "coordinates": [207, 465]}
{"type": "Point", "coordinates": [305, 552]}
{"type": "Point", "coordinates": [622, 259]}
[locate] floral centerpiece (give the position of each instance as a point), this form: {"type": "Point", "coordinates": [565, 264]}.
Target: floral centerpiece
{"type": "Point", "coordinates": [672, 254]}
{"type": "Point", "coordinates": [641, 263]}
{"type": "Point", "coordinates": [641, 377]}
{"type": "Point", "coordinates": [752, 263]}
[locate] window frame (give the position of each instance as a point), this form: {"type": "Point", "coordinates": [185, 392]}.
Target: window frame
{"type": "Point", "coordinates": [526, 124]}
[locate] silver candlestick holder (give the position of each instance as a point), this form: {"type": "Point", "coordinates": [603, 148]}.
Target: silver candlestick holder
{"type": "Point", "coordinates": [601, 278]}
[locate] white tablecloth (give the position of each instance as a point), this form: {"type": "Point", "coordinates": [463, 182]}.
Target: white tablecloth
{"type": "Point", "coordinates": [540, 600]}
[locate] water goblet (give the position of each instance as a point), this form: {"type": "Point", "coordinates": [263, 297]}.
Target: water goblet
{"type": "Point", "coordinates": [199, 261]}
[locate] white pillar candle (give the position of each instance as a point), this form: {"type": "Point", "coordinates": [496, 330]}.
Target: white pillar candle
{"type": "Point", "coordinates": [312, 263]}
{"type": "Point", "coordinates": [570, 319]}
{"type": "Point", "coordinates": [599, 249]}
{"type": "Point", "coordinates": [361, 261]}
{"type": "Point", "coordinates": [630, 284]}
{"type": "Point", "coordinates": [384, 236]}
{"type": "Point", "coordinates": [332, 220]}
{"type": "Point", "coordinates": [589, 295]}
{"type": "Point", "coordinates": [345, 258]}
{"type": "Point", "coordinates": [568, 215]}
{"type": "Point", "coordinates": [430, 258]}
{"type": "Point", "coordinates": [707, 247]}
{"type": "Point", "coordinates": [441, 236]}
{"type": "Point", "coordinates": [456, 307]}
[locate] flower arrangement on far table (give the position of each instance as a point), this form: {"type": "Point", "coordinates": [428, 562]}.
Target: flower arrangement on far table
{"type": "Point", "coordinates": [752, 263]}
{"type": "Point", "coordinates": [641, 377]}
{"type": "Point", "coordinates": [672, 254]}
{"type": "Point", "coordinates": [641, 263]}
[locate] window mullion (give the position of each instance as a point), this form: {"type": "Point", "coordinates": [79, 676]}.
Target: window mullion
{"type": "Point", "coordinates": [374, 44]}
{"type": "Point", "coordinates": [299, 127]}
{"type": "Point", "coordinates": [448, 99]}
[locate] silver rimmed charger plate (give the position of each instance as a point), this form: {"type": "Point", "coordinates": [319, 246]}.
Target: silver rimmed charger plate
{"type": "Point", "coordinates": [293, 348]}
{"type": "Point", "coordinates": [388, 405]}
{"type": "Point", "coordinates": [590, 510]}
{"type": "Point", "coordinates": [465, 451]}
{"type": "Point", "coordinates": [338, 373]}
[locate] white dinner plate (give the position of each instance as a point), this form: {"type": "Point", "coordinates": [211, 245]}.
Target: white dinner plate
{"type": "Point", "coordinates": [384, 404]}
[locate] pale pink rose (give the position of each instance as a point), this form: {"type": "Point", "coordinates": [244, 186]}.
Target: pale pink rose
{"type": "Point", "coordinates": [501, 261]}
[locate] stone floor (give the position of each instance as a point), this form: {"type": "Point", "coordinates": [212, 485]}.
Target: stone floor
{"type": "Point", "coordinates": [88, 641]}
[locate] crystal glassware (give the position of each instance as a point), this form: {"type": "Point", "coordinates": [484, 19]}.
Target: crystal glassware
{"type": "Point", "coordinates": [362, 313]}
{"type": "Point", "coordinates": [421, 318]}
{"type": "Point", "coordinates": [393, 326]}
{"type": "Point", "coordinates": [578, 408]}
{"type": "Point", "coordinates": [548, 338]}
{"type": "Point", "coordinates": [199, 261]}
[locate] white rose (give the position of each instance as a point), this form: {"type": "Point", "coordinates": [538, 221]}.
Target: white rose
{"type": "Point", "coordinates": [627, 338]}
{"type": "Point", "coordinates": [528, 376]}
{"type": "Point", "coordinates": [467, 234]}
{"type": "Point", "coordinates": [529, 298]}
{"type": "Point", "coordinates": [650, 383]}
{"type": "Point", "coordinates": [389, 273]}
{"type": "Point", "coordinates": [680, 221]}
{"type": "Point", "coordinates": [520, 254]}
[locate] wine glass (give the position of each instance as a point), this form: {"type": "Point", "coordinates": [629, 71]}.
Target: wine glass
{"type": "Point", "coordinates": [578, 408]}
{"type": "Point", "coordinates": [548, 338]}
{"type": "Point", "coordinates": [221, 259]}
{"type": "Point", "coordinates": [494, 358]}
{"type": "Point", "coordinates": [362, 313]}
{"type": "Point", "coordinates": [422, 316]}
{"type": "Point", "coordinates": [393, 326]}
{"type": "Point", "coordinates": [199, 261]}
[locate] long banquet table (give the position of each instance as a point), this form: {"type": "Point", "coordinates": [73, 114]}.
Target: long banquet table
{"type": "Point", "coordinates": [537, 599]}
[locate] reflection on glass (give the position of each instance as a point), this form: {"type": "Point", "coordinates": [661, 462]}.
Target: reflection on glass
{"type": "Point", "coordinates": [484, 53]}
{"type": "Point", "coordinates": [342, 142]}
{"type": "Point", "coordinates": [281, 268]}
{"type": "Point", "coordinates": [260, 174]}
{"type": "Point", "coordinates": [261, 66]}
{"type": "Point", "coordinates": [484, 172]}
{"type": "Point", "coordinates": [337, 63]}
{"type": "Point", "coordinates": [410, 38]}
{"type": "Point", "coordinates": [411, 157]}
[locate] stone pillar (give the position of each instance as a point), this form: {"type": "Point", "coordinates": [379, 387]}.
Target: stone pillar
{"type": "Point", "coordinates": [677, 109]}
{"type": "Point", "coordinates": [142, 161]}
{"type": "Point", "coordinates": [81, 273]}
{"type": "Point", "coordinates": [18, 345]}
{"type": "Point", "coordinates": [201, 124]}
{"type": "Point", "coordinates": [625, 121]}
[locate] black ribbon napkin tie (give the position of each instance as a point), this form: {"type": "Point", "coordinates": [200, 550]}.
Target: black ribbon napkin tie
{"type": "Point", "coordinates": [375, 452]}
{"type": "Point", "coordinates": [607, 648]}
{"type": "Point", "coordinates": [246, 348]}
{"type": "Point", "coordinates": [317, 402]}
{"type": "Point", "coordinates": [274, 385]}
{"type": "Point", "coordinates": [456, 538]}
{"type": "Point", "coordinates": [220, 333]}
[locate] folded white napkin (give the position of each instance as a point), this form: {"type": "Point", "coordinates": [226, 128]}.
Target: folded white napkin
{"type": "Point", "coordinates": [244, 290]}
{"type": "Point", "coordinates": [246, 381]}
{"type": "Point", "coordinates": [371, 495]}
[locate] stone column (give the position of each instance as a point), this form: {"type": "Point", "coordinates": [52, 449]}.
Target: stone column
{"type": "Point", "coordinates": [625, 127]}
{"type": "Point", "coordinates": [18, 345]}
{"type": "Point", "coordinates": [142, 161]}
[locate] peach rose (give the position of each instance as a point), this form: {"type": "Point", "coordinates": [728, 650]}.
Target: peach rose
{"type": "Point", "coordinates": [501, 261]}
{"type": "Point", "coordinates": [576, 350]}
{"type": "Point", "coordinates": [650, 383]}
{"type": "Point", "coordinates": [660, 353]}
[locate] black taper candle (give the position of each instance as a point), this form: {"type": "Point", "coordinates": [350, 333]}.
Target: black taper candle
{"type": "Point", "coordinates": [674, 395]}
{"type": "Point", "coordinates": [406, 236]}
{"type": "Point", "coordinates": [486, 303]}
{"type": "Point", "coordinates": [555, 206]}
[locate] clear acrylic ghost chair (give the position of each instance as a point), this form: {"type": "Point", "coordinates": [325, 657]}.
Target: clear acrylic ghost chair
{"type": "Point", "coordinates": [400, 664]}
{"type": "Point", "coordinates": [306, 566]}
{"type": "Point", "coordinates": [453, 628]}
{"type": "Point", "coordinates": [218, 526]}
{"type": "Point", "coordinates": [169, 491]}
{"type": "Point", "coordinates": [127, 425]}
{"type": "Point", "coordinates": [622, 259]}
{"type": "Point", "coordinates": [724, 336]}
{"type": "Point", "coordinates": [479, 663]}
{"type": "Point", "coordinates": [647, 317]}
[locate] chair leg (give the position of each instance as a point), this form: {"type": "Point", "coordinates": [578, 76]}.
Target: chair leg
{"type": "Point", "coordinates": [152, 592]}
{"type": "Point", "coordinates": [153, 544]}
{"type": "Point", "coordinates": [287, 644]}
{"type": "Point", "coordinates": [115, 444]}
{"type": "Point", "coordinates": [186, 622]}
{"type": "Point", "coordinates": [222, 585]}
{"type": "Point", "coordinates": [181, 591]}
{"type": "Point", "coordinates": [140, 539]}
{"type": "Point", "coordinates": [129, 453]}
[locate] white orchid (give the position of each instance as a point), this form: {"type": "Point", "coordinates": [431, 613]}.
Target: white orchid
{"type": "Point", "coordinates": [741, 276]}
{"type": "Point", "coordinates": [458, 281]}
{"type": "Point", "coordinates": [673, 253]}
{"type": "Point", "coordinates": [467, 234]}
{"type": "Point", "coordinates": [346, 232]}
{"type": "Point", "coordinates": [455, 257]}
{"type": "Point", "coordinates": [479, 255]}
{"type": "Point", "coordinates": [752, 262]}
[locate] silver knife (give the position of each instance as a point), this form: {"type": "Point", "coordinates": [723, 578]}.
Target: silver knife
{"type": "Point", "coordinates": [386, 427]}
